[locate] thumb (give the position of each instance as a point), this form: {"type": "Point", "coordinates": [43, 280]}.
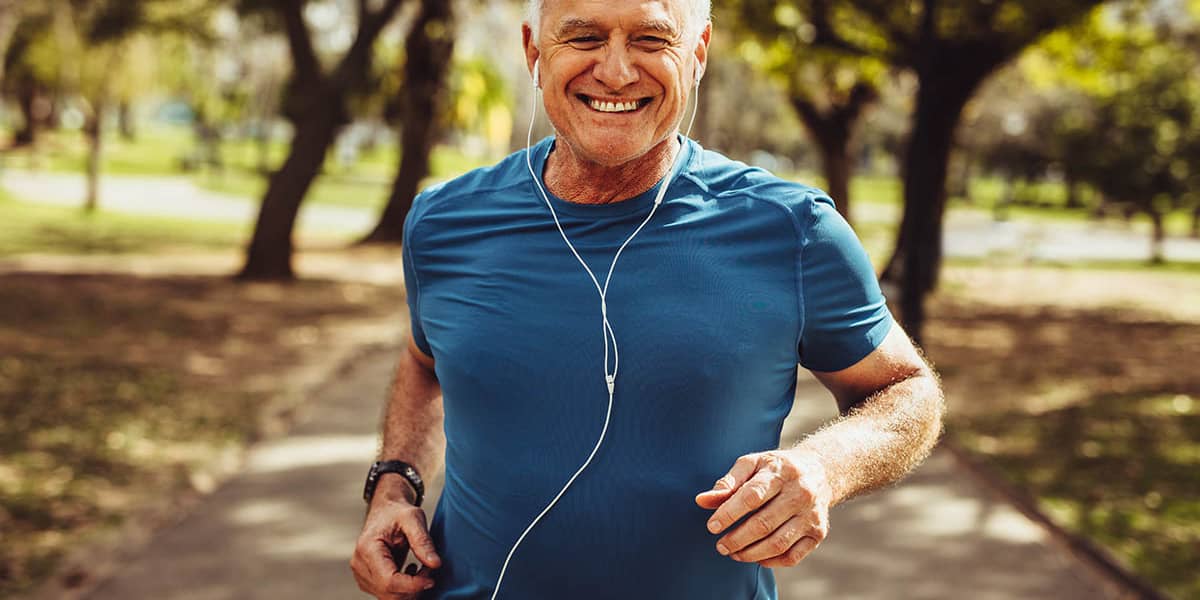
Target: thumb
{"type": "Point", "coordinates": [711, 499]}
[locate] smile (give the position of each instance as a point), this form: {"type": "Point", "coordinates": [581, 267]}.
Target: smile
{"type": "Point", "coordinates": [614, 107]}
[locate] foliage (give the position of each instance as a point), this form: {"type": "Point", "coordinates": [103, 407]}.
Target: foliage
{"type": "Point", "coordinates": [1114, 103]}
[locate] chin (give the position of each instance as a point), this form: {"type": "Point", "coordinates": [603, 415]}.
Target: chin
{"type": "Point", "coordinates": [613, 151]}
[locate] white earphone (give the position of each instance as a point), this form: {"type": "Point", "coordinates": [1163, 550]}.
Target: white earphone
{"type": "Point", "coordinates": [610, 338]}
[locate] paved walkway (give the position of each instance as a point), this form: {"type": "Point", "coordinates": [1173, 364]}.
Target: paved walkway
{"type": "Point", "coordinates": [286, 527]}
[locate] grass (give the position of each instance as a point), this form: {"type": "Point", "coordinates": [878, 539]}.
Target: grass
{"type": "Point", "coordinates": [1119, 469]}
{"type": "Point", "coordinates": [118, 390]}
{"type": "Point", "coordinates": [162, 150]}
{"type": "Point", "coordinates": [33, 228]}
{"type": "Point", "coordinates": [1085, 395]}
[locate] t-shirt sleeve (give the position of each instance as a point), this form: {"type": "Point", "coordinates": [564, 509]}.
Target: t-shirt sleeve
{"type": "Point", "coordinates": [845, 314]}
{"type": "Point", "coordinates": [412, 280]}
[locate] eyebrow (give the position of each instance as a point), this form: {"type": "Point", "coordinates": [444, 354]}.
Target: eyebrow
{"type": "Point", "coordinates": [572, 25]}
{"type": "Point", "coordinates": [658, 26]}
{"type": "Point", "coordinates": [575, 24]}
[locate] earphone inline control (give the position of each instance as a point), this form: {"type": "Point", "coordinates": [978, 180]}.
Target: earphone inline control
{"type": "Point", "coordinates": [610, 377]}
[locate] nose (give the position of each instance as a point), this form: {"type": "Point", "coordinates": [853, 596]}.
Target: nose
{"type": "Point", "coordinates": [616, 70]}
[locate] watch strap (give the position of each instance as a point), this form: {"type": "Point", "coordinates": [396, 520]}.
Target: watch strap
{"type": "Point", "coordinates": [405, 470]}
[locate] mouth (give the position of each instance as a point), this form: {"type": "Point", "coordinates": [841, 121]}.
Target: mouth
{"type": "Point", "coordinates": [606, 106]}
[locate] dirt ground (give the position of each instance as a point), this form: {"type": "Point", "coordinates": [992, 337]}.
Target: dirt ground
{"type": "Point", "coordinates": [119, 391]}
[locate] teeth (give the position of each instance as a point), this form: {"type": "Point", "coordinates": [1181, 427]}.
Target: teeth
{"type": "Point", "coordinates": [612, 107]}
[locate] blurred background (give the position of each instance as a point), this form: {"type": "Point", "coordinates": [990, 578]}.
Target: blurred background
{"type": "Point", "coordinates": [201, 203]}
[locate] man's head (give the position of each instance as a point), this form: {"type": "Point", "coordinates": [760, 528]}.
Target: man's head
{"type": "Point", "coordinates": [616, 74]}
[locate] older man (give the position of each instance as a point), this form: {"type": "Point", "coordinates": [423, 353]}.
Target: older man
{"type": "Point", "coordinates": [609, 321]}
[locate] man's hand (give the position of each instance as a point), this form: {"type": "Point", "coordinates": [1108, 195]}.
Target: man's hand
{"type": "Point", "coordinates": [392, 526]}
{"type": "Point", "coordinates": [785, 499]}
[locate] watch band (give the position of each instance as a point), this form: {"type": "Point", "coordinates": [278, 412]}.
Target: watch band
{"type": "Point", "coordinates": [405, 470]}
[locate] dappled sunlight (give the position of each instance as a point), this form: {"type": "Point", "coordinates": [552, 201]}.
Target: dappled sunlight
{"type": "Point", "coordinates": [297, 452]}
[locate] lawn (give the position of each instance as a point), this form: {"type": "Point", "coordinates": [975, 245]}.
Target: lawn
{"type": "Point", "coordinates": [162, 151]}
{"type": "Point", "coordinates": [33, 228]}
{"type": "Point", "coordinates": [1080, 387]}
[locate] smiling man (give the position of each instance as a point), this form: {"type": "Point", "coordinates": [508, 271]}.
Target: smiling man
{"type": "Point", "coordinates": [608, 322]}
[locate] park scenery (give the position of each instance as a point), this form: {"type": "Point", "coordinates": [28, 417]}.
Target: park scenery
{"type": "Point", "coordinates": [202, 204]}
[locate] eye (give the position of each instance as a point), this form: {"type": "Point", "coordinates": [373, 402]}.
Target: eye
{"type": "Point", "coordinates": [651, 42]}
{"type": "Point", "coordinates": [585, 42]}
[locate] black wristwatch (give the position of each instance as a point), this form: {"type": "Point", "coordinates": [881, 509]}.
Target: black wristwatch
{"type": "Point", "coordinates": [394, 466]}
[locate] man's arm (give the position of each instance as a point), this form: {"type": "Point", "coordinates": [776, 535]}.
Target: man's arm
{"type": "Point", "coordinates": [412, 432]}
{"type": "Point", "coordinates": [891, 404]}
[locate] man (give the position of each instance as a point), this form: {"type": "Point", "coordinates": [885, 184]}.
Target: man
{"type": "Point", "coordinates": [727, 278]}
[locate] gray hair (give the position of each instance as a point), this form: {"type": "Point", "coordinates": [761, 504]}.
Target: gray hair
{"type": "Point", "coordinates": [700, 13]}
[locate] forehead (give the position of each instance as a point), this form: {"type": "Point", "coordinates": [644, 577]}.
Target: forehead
{"type": "Point", "coordinates": [559, 13]}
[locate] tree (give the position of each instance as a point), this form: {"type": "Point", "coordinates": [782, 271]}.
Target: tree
{"type": "Point", "coordinates": [10, 16]}
{"type": "Point", "coordinates": [952, 48]}
{"type": "Point", "coordinates": [1138, 143]}
{"type": "Point", "coordinates": [316, 104]}
{"type": "Point", "coordinates": [97, 53]}
{"type": "Point", "coordinates": [429, 48]}
{"type": "Point", "coordinates": [828, 91]}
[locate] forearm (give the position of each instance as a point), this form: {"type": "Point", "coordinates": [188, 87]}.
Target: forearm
{"type": "Point", "coordinates": [412, 424]}
{"type": "Point", "coordinates": [880, 439]}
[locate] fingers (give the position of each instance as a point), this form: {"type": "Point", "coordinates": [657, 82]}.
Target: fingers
{"type": "Point", "coordinates": [396, 587]}
{"type": "Point", "coordinates": [761, 525]}
{"type": "Point", "coordinates": [412, 525]}
{"type": "Point", "coordinates": [751, 495]}
{"type": "Point", "coordinates": [777, 543]}
{"type": "Point", "coordinates": [383, 546]}
{"type": "Point", "coordinates": [738, 474]}
{"type": "Point", "coordinates": [793, 556]}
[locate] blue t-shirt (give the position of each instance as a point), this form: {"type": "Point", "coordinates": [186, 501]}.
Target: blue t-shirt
{"type": "Point", "coordinates": [739, 277]}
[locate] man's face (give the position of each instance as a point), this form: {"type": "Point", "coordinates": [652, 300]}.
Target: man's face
{"type": "Point", "coordinates": [616, 74]}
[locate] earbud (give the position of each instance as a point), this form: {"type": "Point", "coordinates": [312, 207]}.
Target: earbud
{"type": "Point", "coordinates": [697, 74]}
{"type": "Point", "coordinates": [537, 76]}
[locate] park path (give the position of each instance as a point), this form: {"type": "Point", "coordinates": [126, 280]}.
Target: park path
{"type": "Point", "coordinates": [286, 526]}
{"type": "Point", "coordinates": [176, 197]}
{"type": "Point", "coordinates": [969, 234]}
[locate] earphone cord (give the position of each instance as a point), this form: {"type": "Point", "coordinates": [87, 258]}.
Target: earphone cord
{"type": "Point", "coordinates": [609, 335]}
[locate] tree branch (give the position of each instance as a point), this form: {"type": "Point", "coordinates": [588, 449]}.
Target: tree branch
{"type": "Point", "coordinates": [827, 36]}
{"type": "Point", "coordinates": [882, 13]}
{"type": "Point", "coordinates": [356, 63]}
{"type": "Point", "coordinates": [308, 68]}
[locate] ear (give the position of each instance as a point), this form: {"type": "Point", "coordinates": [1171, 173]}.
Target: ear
{"type": "Point", "coordinates": [701, 52]}
{"type": "Point", "coordinates": [531, 51]}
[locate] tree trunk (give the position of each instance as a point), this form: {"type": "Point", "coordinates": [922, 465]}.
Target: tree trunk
{"type": "Point", "coordinates": [125, 121]}
{"type": "Point", "coordinates": [1158, 238]}
{"type": "Point", "coordinates": [1072, 182]}
{"type": "Point", "coordinates": [8, 26]}
{"type": "Point", "coordinates": [27, 101]}
{"type": "Point", "coordinates": [270, 253]}
{"type": "Point", "coordinates": [429, 50]}
{"type": "Point", "coordinates": [832, 130]}
{"type": "Point", "coordinates": [837, 168]}
{"type": "Point", "coordinates": [917, 258]}
{"type": "Point", "coordinates": [94, 131]}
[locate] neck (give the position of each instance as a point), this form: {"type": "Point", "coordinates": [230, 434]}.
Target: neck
{"type": "Point", "coordinates": [577, 180]}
